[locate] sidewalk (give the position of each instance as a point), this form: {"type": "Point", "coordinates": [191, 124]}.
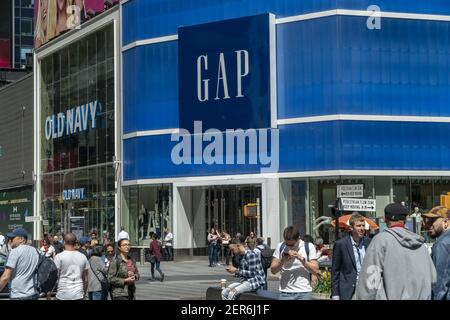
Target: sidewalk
{"type": "Point", "coordinates": [185, 279]}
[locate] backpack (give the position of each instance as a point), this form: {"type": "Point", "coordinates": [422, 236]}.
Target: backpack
{"type": "Point", "coordinates": [266, 257]}
{"type": "Point", "coordinates": [46, 274]}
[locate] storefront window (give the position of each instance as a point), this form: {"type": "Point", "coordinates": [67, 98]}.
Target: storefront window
{"type": "Point", "coordinates": [147, 211]}
{"type": "Point", "coordinates": [77, 104]}
{"type": "Point", "coordinates": [77, 136]}
{"type": "Point", "coordinates": [323, 193]}
{"type": "Point", "coordinates": [87, 194]}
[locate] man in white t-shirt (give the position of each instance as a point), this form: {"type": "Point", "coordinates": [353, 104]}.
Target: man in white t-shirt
{"type": "Point", "coordinates": [168, 240]}
{"type": "Point", "coordinates": [73, 268]}
{"type": "Point", "coordinates": [294, 265]}
{"type": "Point", "coordinates": [123, 234]}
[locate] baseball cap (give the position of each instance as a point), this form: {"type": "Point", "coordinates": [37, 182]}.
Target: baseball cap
{"type": "Point", "coordinates": [438, 212]}
{"type": "Point", "coordinates": [395, 212]}
{"type": "Point", "coordinates": [84, 240]}
{"type": "Point", "coordinates": [18, 232]}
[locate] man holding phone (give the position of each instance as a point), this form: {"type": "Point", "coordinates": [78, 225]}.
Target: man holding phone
{"type": "Point", "coordinates": [250, 272]}
{"type": "Point", "coordinates": [291, 260]}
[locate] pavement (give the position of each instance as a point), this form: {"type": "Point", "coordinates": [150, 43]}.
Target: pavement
{"type": "Point", "coordinates": [185, 280]}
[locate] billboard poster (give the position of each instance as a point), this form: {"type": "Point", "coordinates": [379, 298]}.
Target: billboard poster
{"type": "Point", "coordinates": [5, 34]}
{"type": "Point", "coordinates": [55, 17]}
{"type": "Point", "coordinates": [15, 206]}
{"type": "Point", "coordinates": [5, 53]}
{"type": "Point", "coordinates": [77, 226]}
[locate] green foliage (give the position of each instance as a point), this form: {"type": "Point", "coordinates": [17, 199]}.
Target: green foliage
{"type": "Point", "coordinates": [324, 283]}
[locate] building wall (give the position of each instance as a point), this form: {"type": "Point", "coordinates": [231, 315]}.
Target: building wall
{"type": "Point", "coordinates": [16, 133]}
{"type": "Point", "coordinates": [327, 66]}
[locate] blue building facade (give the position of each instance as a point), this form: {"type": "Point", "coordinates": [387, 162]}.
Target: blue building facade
{"type": "Point", "coordinates": [343, 92]}
{"type": "Point", "coordinates": [362, 97]}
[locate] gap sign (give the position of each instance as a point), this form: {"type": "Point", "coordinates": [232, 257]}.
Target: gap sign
{"type": "Point", "coordinates": [225, 73]}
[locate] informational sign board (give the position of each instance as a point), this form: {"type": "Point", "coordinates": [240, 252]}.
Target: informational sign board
{"type": "Point", "coordinates": [77, 226]}
{"type": "Point", "coordinates": [352, 204]}
{"type": "Point", "coordinates": [350, 191]}
{"type": "Point", "coordinates": [32, 218]}
{"type": "Point", "coordinates": [16, 206]}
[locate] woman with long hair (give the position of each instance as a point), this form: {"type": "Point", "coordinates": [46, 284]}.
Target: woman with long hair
{"type": "Point", "coordinates": [123, 273]}
{"type": "Point", "coordinates": [40, 30]}
{"type": "Point", "coordinates": [212, 242]}
{"type": "Point", "coordinates": [156, 254]}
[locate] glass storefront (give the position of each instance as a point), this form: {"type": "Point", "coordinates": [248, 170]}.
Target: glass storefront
{"type": "Point", "coordinates": [307, 199]}
{"type": "Point", "coordinates": [86, 193]}
{"type": "Point", "coordinates": [147, 210]}
{"type": "Point", "coordinates": [77, 135]}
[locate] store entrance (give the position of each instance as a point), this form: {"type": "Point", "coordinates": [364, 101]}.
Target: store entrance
{"type": "Point", "coordinates": [225, 205]}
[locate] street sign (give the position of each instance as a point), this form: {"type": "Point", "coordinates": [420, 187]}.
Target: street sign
{"type": "Point", "coordinates": [45, 222]}
{"type": "Point", "coordinates": [350, 191]}
{"type": "Point", "coordinates": [349, 204]}
{"type": "Point", "coordinates": [32, 218]}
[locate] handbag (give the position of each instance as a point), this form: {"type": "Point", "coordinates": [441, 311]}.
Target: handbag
{"type": "Point", "coordinates": [104, 282]}
{"type": "Point", "coordinates": [150, 258]}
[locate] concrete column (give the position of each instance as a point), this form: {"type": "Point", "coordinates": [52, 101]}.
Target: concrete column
{"type": "Point", "coordinates": [182, 222]}
{"type": "Point", "coordinates": [382, 194]}
{"type": "Point", "coordinates": [271, 210]}
{"type": "Point", "coordinates": [199, 214]}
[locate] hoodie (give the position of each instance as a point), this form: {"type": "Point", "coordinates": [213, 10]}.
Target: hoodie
{"type": "Point", "coordinates": [397, 266]}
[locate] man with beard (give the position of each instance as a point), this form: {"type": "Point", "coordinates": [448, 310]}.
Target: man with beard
{"type": "Point", "coordinates": [437, 222]}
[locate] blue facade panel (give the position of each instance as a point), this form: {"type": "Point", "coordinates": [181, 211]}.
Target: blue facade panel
{"type": "Point", "coordinates": [332, 145]}
{"type": "Point", "coordinates": [345, 68]}
{"type": "Point", "coordinates": [150, 87]}
{"type": "Point", "coordinates": [331, 65]}
{"type": "Point", "coordinates": [144, 19]}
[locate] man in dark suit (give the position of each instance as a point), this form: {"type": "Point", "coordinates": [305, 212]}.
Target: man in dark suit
{"type": "Point", "coordinates": [348, 255]}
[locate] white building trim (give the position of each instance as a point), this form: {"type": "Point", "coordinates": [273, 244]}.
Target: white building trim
{"type": "Point", "coordinates": [255, 178]}
{"type": "Point", "coordinates": [314, 15]}
{"type": "Point", "coordinates": [150, 133]}
{"type": "Point", "coordinates": [150, 41]}
{"type": "Point", "coordinates": [362, 117]}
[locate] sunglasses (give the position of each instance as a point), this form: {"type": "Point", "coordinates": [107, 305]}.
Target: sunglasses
{"type": "Point", "coordinates": [109, 251]}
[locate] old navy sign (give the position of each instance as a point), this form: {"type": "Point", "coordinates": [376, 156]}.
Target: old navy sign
{"type": "Point", "coordinates": [73, 194]}
{"type": "Point", "coordinates": [225, 76]}
{"type": "Point", "coordinates": [75, 120]}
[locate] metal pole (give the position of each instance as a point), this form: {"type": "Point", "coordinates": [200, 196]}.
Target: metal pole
{"type": "Point", "coordinates": [337, 227]}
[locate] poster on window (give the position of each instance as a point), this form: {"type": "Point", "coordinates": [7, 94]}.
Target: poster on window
{"type": "Point", "coordinates": [77, 226]}
{"type": "Point", "coordinates": [55, 17]}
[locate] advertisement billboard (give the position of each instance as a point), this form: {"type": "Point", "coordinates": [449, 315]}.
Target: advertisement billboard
{"type": "Point", "coordinates": [55, 17]}
{"type": "Point", "coordinates": [5, 34]}
{"type": "Point", "coordinates": [16, 206]}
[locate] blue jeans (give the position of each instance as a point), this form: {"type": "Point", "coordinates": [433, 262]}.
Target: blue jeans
{"type": "Point", "coordinates": [96, 295]}
{"type": "Point", "coordinates": [235, 289]}
{"type": "Point", "coordinates": [157, 264]}
{"type": "Point", "coordinates": [211, 253]}
{"type": "Point", "coordinates": [35, 297]}
{"type": "Point", "coordinates": [295, 296]}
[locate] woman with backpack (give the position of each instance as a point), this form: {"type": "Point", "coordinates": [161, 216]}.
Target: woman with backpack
{"type": "Point", "coordinates": [123, 273]}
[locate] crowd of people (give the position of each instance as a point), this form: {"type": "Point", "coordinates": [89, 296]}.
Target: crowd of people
{"type": "Point", "coordinates": [393, 265]}
{"type": "Point", "coordinates": [86, 269]}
